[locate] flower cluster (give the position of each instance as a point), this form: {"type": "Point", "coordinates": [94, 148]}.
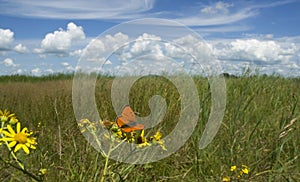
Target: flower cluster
{"type": "Point", "coordinates": [116, 133]}
{"type": "Point", "coordinates": [13, 135]}
{"type": "Point", "coordinates": [237, 172]}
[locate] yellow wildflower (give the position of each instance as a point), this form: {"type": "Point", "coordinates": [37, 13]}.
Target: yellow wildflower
{"type": "Point", "coordinates": [5, 115]}
{"type": "Point", "coordinates": [42, 172]}
{"type": "Point", "coordinates": [226, 179]}
{"type": "Point", "coordinates": [232, 168]}
{"type": "Point", "coordinates": [19, 139]}
{"type": "Point", "coordinates": [157, 136]}
{"type": "Point", "coordinates": [245, 169]}
{"type": "Point", "coordinates": [13, 120]}
{"type": "Point", "coordinates": [156, 139]}
{"type": "Point", "coordinates": [142, 141]}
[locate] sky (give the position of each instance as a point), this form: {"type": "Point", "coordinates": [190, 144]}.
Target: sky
{"type": "Point", "coordinates": [44, 37]}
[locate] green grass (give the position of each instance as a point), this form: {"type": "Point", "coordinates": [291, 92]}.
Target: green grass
{"type": "Point", "coordinates": [257, 110]}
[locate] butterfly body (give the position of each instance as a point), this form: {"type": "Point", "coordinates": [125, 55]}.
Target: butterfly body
{"type": "Point", "coordinates": [127, 120]}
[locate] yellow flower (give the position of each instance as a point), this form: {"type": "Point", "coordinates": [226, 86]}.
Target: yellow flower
{"type": "Point", "coordinates": [141, 138]}
{"type": "Point", "coordinates": [142, 141]}
{"type": "Point", "coordinates": [129, 137]}
{"type": "Point", "coordinates": [5, 115]}
{"type": "Point", "coordinates": [119, 133]}
{"type": "Point", "coordinates": [245, 169]}
{"type": "Point", "coordinates": [19, 139]}
{"type": "Point", "coordinates": [13, 120]}
{"type": "Point", "coordinates": [42, 172]}
{"type": "Point", "coordinates": [157, 136]}
{"type": "Point", "coordinates": [156, 139]}
{"type": "Point", "coordinates": [232, 168]}
{"type": "Point", "coordinates": [115, 129]}
{"type": "Point", "coordinates": [226, 179]}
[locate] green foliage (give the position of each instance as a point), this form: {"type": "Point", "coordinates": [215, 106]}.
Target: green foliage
{"type": "Point", "coordinates": [256, 130]}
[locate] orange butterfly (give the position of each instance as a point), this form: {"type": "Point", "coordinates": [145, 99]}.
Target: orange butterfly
{"type": "Point", "coordinates": [127, 121]}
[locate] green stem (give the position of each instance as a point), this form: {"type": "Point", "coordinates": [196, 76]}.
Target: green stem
{"type": "Point", "coordinates": [23, 170]}
{"type": "Point", "coordinates": [106, 164]}
{"type": "Point", "coordinates": [104, 155]}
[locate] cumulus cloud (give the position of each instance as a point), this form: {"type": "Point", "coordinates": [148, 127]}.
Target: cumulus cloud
{"type": "Point", "coordinates": [8, 62]}
{"type": "Point", "coordinates": [256, 50]}
{"type": "Point", "coordinates": [19, 71]}
{"type": "Point", "coordinates": [76, 53]}
{"type": "Point", "coordinates": [36, 71]}
{"type": "Point", "coordinates": [20, 48]}
{"type": "Point", "coordinates": [147, 44]}
{"type": "Point", "coordinates": [103, 47]}
{"type": "Point", "coordinates": [6, 42]}
{"type": "Point", "coordinates": [150, 48]}
{"type": "Point", "coordinates": [59, 42]}
{"type": "Point", "coordinates": [6, 39]}
{"type": "Point", "coordinates": [265, 52]}
{"type": "Point", "coordinates": [67, 66]}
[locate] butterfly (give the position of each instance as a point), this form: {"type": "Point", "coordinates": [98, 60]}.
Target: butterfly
{"type": "Point", "coordinates": [127, 121]}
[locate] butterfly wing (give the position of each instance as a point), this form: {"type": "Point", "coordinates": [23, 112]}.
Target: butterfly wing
{"type": "Point", "coordinates": [128, 114]}
{"type": "Point", "coordinates": [127, 121]}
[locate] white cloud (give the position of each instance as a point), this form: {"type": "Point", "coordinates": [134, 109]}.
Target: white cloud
{"type": "Point", "coordinates": [6, 39]}
{"type": "Point", "coordinates": [65, 64]}
{"type": "Point", "coordinates": [103, 47]}
{"type": "Point", "coordinates": [147, 44]}
{"type": "Point", "coordinates": [224, 28]}
{"type": "Point", "coordinates": [76, 53]}
{"type": "Point", "coordinates": [222, 13]}
{"type": "Point", "coordinates": [256, 50]}
{"type": "Point", "coordinates": [8, 62]}
{"type": "Point", "coordinates": [36, 71]}
{"type": "Point", "coordinates": [19, 71]}
{"type": "Point", "coordinates": [215, 14]}
{"type": "Point", "coordinates": [20, 48]}
{"type": "Point", "coordinates": [218, 19]}
{"type": "Point", "coordinates": [77, 9]}
{"type": "Point", "coordinates": [49, 71]}
{"type": "Point", "coordinates": [148, 52]}
{"type": "Point", "coordinates": [59, 42]}
{"type": "Point", "coordinates": [267, 52]}
{"type": "Point", "coordinates": [218, 8]}
{"type": "Point", "coordinates": [264, 52]}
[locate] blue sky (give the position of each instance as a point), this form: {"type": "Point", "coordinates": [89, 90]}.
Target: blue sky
{"type": "Point", "coordinates": [41, 37]}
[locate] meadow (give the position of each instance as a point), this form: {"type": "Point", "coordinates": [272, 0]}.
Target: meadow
{"type": "Point", "coordinates": [260, 130]}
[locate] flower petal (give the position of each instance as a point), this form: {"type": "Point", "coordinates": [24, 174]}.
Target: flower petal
{"type": "Point", "coordinates": [25, 148]}
{"type": "Point", "coordinates": [24, 130]}
{"type": "Point", "coordinates": [7, 139]}
{"type": "Point", "coordinates": [11, 130]}
{"type": "Point", "coordinates": [8, 134]}
{"type": "Point", "coordinates": [17, 147]}
{"type": "Point", "coordinates": [30, 146]}
{"type": "Point", "coordinates": [12, 144]}
{"type": "Point", "coordinates": [18, 127]}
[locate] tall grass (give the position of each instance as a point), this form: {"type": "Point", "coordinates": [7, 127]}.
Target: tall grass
{"type": "Point", "coordinates": [258, 110]}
